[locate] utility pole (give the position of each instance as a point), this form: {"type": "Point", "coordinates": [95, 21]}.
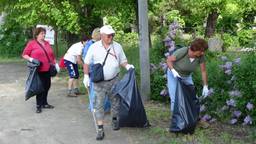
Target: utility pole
{"type": "Point", "coordinates": [144, 49]}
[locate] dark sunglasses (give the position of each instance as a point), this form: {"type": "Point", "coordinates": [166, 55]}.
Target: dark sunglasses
{"type": "Point", "coordinates": [110, 35]}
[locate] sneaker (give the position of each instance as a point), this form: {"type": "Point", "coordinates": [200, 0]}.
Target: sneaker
{"type": "Point", "coordinates": [38, 109]}
{"type": "Point", "coordinates": [48, 106]}
{"type": "Point", "coordinates": [71, 94]}
{"type": "Point", "coordinates": [76, 91]}
{"type": "Point", "coordinates": [115, 125]}
{"type": "Point", "coordinates": [100, 134]}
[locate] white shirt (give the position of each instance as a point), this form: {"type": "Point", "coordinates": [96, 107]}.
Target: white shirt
{"type": "Point", "coordinates": [97, 53]}
{"type": "Point", "coordinates": [191, 59]}
{"type": "Point", "coordinates": [74, 51]}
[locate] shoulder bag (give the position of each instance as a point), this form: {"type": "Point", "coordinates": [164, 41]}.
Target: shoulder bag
{"type": "Point", "coordinates": [53, 71]}
{"type": "Point", "coordinates": [96, 73]}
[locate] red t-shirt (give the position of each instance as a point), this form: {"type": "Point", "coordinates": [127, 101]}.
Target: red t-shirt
{"type": "Point", "coordinates": [34, 50]}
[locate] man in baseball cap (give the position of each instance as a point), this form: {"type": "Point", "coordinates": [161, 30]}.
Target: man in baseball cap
{"type": "Point", "coordinates": [106, 29]}
{"type": "Point", "coordinates": [115, 57]}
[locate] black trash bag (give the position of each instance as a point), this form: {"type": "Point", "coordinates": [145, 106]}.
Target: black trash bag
{"type": "Point", "coordinates": [186, 109]}
{"type": "Point", "coordinates": [34, 85]}
{"type": "Point", "coordinates": [131, 112]}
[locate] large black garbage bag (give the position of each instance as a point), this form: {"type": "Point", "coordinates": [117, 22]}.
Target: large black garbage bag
{"type": "Point", "coordinates": [132, 112]}
{"type": "Point", "coordinates": [186, 109]}
{"type": "Point", "coordinates": [34, 85]}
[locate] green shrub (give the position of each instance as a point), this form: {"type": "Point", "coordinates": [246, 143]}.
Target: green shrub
{"type": "Point", "coordinates": [245, 75]}
{"type": "Point", "coordinates": [157, 83]}
{"type": "Point", "coordinates": [233, 88]}
{"type": "Point", "coordinates": [246, 37]}
{"type": "Point", "coordinates": [157, 79]}
{"type": "Point", "coordinates": [230, 41]}
{"type": "Point", "coordinates": [13, 40]}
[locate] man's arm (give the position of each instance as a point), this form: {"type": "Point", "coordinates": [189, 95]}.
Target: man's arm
{"type": "Point", "coordinates": [86, 68]}
{"type": "Point", "coordinates": [124, 64]}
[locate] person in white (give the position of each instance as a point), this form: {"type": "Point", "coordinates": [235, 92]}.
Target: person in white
{"type": "Point", "coordinates": [116, 58]}
{"type": "Point", "coordinates": [71, 60]}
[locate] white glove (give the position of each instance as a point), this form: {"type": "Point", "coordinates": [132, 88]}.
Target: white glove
{"type": "Point", "coordinates": [128, 66]}
{"type": "Point", "coordinates": [175, 73]}
{"type": "Point", "coordinates": [30, 59]}
{"type": "Point", "coordinates": [57, 67]}
{"type": "Point", "coordinates": [86, 80]}
{"type": "Point", "coordinates": [205, 91]}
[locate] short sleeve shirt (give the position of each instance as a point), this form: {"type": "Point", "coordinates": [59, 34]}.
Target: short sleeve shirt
{"type": "Point", "coordinates": [97, 53]}
{"type": "Point", "coordinates": [86, 47]}
{"type": "Point", "coordinates": [34, 50]}
{"type": "Point", "coordinates": [183, 65]}
{"type": "Point", "coordinates": [74, 51]}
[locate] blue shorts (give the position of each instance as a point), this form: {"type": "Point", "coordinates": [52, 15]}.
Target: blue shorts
{"type": "Point", "coordinates": [72, 69]}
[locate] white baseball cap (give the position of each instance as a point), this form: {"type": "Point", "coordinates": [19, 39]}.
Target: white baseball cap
{"type": "Point", "coordinates": [107, 29]}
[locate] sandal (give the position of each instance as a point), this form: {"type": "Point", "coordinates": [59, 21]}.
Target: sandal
{"type": "Point", "coordinates": [47, 106]}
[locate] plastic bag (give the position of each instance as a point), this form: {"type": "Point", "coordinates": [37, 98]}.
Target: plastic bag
{"type": "Point", "coordinates": [61, 63]}
{"type": "Point", "coordinates": [34, 85]}
{"type": "Point", "coordinates": [186, 109]}
{"type": "Point", "coordinates": [132, 112]}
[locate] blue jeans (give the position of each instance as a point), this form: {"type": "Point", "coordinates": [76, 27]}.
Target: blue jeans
{"type": "Point", "coordinates": [107, 103]}
{"type": "Point", "coordinates": [172, 84]}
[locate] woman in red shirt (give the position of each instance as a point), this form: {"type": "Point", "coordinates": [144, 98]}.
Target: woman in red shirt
{"type": "Point", "coordinates": [33, 52]}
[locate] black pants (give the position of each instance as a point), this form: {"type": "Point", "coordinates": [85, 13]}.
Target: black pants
{"type": "Point", "coordinates": [41, 99]}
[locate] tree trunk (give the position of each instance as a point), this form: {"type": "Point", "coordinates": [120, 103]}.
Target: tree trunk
{"type": "Point", "coordinates": [211, 24]}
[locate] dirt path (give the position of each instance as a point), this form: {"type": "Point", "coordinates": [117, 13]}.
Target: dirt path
{"type": "Point", "coordinates": [68, 123]}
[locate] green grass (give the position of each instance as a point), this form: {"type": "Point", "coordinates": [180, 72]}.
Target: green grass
{"type": "Point", "coordinates": [13, 59]}
{"type": "Point", "coordinates": [158, 115]}
{"type": "Point", "coordinates": [218, 133]}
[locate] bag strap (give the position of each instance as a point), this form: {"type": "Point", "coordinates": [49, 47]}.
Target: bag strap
{"type": "Point", "coordinates": [44, 52]}
{"type": "Point", "coordinates": [106, 57]}
{"type": "Point", "coordinates": [182, 56]}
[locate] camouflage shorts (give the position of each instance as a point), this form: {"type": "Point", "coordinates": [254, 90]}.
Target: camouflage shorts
{"type": "Point", "coordinates": [101, 90]}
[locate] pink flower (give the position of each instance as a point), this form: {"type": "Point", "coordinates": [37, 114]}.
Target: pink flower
{"type": "Point", "coordinates": [224, 58]}
{"type": "Point", "coordinates": [233, 121]}
{"type": "Point", "coordinates": [202, 108]}
{"type": "Point", "coordinates": [237, 114]}
{"type": "Point", "coordinates": [249, 106]}
{"type": "Point", "coordinates": [235, 93]}
{"type": "Point", "coordinates": [206, 117]}
{"type": "Point", "coordinates": [231, 102]}
{"type": "Point", "coordinates": [247, 120]}
{"type": "Point", "coordinates": [237, 61]}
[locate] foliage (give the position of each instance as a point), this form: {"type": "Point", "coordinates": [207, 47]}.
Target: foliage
{"type": "Point", "coordinates": [246, 37]}
{"type": "Point", "coordinates": [73, 16]}
{"type": "Point", "coordinates": [245, 75]}
{"type": "Point", "coordinates": [68, 17]}
{"type": "Point", "coordinates": [230, 41]}
{"type": "Point", "coordinates": [232, 82]}
{"type": "Point", "coordinates": [157, 79]}
{"type": "Point", "coordinates": [218, 133]}
{"type": "Point", "coordinates": [174, 15]}
{"type": "Point", "coordinates": [158, 83]}
{"type": "Point", "coordinates": [228, 99]}
{"type": "Point", "coordinates": [13, 39]}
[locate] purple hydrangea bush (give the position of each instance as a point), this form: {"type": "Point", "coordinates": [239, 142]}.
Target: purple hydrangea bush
{"type": "Point", "coordinates": [228, 101]}
{"type": "Point", "coordinates": [169, 43]}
